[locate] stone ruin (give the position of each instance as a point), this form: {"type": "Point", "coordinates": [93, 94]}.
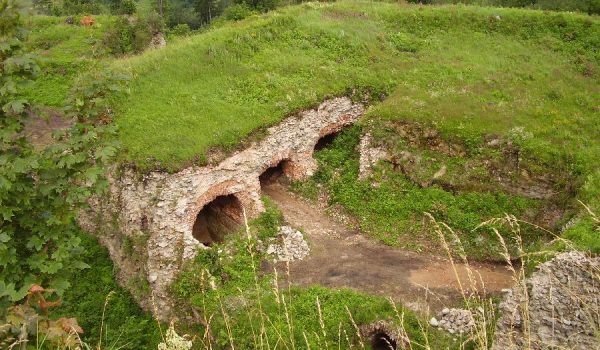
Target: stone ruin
{"type": "Point", "coordinates": [153, 223]}
{"type": "Point", "coordinates": [558, 307]}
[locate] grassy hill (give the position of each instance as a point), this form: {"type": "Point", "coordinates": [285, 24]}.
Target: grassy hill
{"type": "Point", "coordinates": [515, 91]}
{"type": "Point", "coordinates": [216, 88]}
{"type": "Point", "coordinates": [474, 74]}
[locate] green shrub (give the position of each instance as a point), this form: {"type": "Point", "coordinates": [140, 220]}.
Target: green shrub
{"type": "Point", "coordinates": [125, 37]}
{"type": "Point", "coordinates": [236, 12]}
{"type": "Point", "coordinates": [405, 42]}
{"type": "Point", "coordinates": [76, 7]}
{"type": "Point", "coordinates": [126, 7]}
{"type": "Point", "coordinates": [181, 29]}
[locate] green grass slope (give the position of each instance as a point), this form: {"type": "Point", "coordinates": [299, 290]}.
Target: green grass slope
{"type": "Point", "coordinates": [65, 51]}
{"type": "Point", "coordinates": [493, 69]}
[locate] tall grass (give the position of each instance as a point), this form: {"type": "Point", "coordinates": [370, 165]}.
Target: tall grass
{"type": "Point", "coordinates": [269, 318]}
{"type": "Point", "coordinates": [292, 333]}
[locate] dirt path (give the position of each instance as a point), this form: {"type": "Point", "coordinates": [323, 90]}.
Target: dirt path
{"type": "Point", "coordinates": [341, 257]}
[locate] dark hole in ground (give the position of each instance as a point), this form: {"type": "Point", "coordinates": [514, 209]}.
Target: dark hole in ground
{"type": "Point", "coordinates": [272, 174]}
{"type": "Point", "coordinates": [326, 141]}
{"type": "Point", "coordinates": [382, 341]}
{"type": "Point", "coordinates": [221, 216]}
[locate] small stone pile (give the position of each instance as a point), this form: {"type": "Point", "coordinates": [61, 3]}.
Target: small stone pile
{"type": "Point", "coordinates": [290, 245]}
{"type": "Point", "coordinates": [454, 321]}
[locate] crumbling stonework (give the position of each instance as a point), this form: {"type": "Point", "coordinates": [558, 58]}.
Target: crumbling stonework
{"type": "Point", "coordinates": [454, 321]}
{"type": "Point", "coordinates": [289, 245]}
{"type": "Point", "coordinates": [560, 308]}
{"type": "Point", "coordinates": [159, 209]}
{"type": "Point", "coordinates": [158, 41]}
{"type": "Point", "coordinates": [369, 156]}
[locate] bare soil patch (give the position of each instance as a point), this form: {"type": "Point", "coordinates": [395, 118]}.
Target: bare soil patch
{"type": "Point", "coordinates": [39, 128]}
{"type": "Point", "coordinates": [343, 257]}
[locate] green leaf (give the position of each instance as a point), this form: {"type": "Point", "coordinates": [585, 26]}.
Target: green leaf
{"type": "Point", "coordinates": [15, 107]}
{"type": "Point", "coordinates": [4, 237]}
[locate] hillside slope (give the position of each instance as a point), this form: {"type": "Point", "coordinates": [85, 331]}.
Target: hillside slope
{"type": "Point", "coordinates": [216, 88]}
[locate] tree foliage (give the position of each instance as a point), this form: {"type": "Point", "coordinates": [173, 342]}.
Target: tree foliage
{"type": "Point", "coordinates": [41, 191]}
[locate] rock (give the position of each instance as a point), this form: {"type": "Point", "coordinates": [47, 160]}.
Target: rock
{"type": "Point", "coordinates": [440, 172]}
{"type": "Point", "coordinates": [433, 322]}
{"type": "Point", "coordinates": [558, 293]}
{"type": "Point", "coordinates": [369, 156]}
{"type": "Point", "coordinates": [456, 320]}
{"type": "Point", "coordinates": [158, 41]}
{"type": "Point", "coordinates": [291, 247]}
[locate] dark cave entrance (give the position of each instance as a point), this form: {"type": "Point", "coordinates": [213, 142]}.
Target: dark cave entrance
{"type": "Point", "coordinates": [382, 341]}
{"type": "Point", "coordinates": [326, 140]}
{"type": "Point", "coordinates": [219, 217]}
{"type": "Point", "coordinates": [273, 174]}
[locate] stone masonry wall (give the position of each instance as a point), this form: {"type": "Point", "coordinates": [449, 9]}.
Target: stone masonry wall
{"type": "Point", "coordinates": [559, 308]}
{"type": "Point", "coordinates": [157, 211]}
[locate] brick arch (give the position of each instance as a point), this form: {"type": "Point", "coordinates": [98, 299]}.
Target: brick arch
{"type": "Point", "coordinates": [227, 188]}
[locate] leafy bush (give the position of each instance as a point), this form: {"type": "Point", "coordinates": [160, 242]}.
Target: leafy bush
{"type": "Point", "coordinates": [181, 29]}
{"type": "Point", "coordinates": [41, 191]}
{"type": "Point", "coordinates": [126, 7]}
{"type": "Point", "coordinates": [130, 37]}
{"type": "Point", "coordinates": [237, 12]}
{"type": "Point", "coordinates": [76, 7]}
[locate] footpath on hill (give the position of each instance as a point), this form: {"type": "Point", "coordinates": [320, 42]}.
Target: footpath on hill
{"type": "Point", "coordinates": [343, 257]}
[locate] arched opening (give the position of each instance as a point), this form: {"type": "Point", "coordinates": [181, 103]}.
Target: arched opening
{"type": "Point", "coordinates": [221, 216]}
{"type": "Point", "coordinates": [382, 341]}
{"type": "Point", "coordinates": [326, 140]}
{"type": "Point", "coordinates": [273, 174]}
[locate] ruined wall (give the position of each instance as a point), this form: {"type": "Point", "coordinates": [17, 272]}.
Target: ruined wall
{"type": "Point", "coordinates": [558, 307]}
{"type": "Point", "coordinates": [147, 222]}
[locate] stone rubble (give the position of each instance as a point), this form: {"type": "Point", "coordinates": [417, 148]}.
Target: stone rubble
{"type": "Point", "coordinates": [563, 302]}
{"type": "Point", "coordinates": [290, 246]}
{"type": "Point", "coordinates": [454, 321]}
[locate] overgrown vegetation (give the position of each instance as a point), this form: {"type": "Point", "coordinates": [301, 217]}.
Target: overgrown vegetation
{"type": "Point", "coordinates": [101, 305]}
{"type": "Point", "coordinates": [41, 192]}
{"type": "Point", "coordinates": [585, 6]}
{"type": "Point", "coordinates": [331, 52]}
{"type": "Point", "coordinates": [390, 205]}
{"type": "Point", "coordinates": [246, 306]}
{"type": "Point", "coordinates": [65, 51]}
